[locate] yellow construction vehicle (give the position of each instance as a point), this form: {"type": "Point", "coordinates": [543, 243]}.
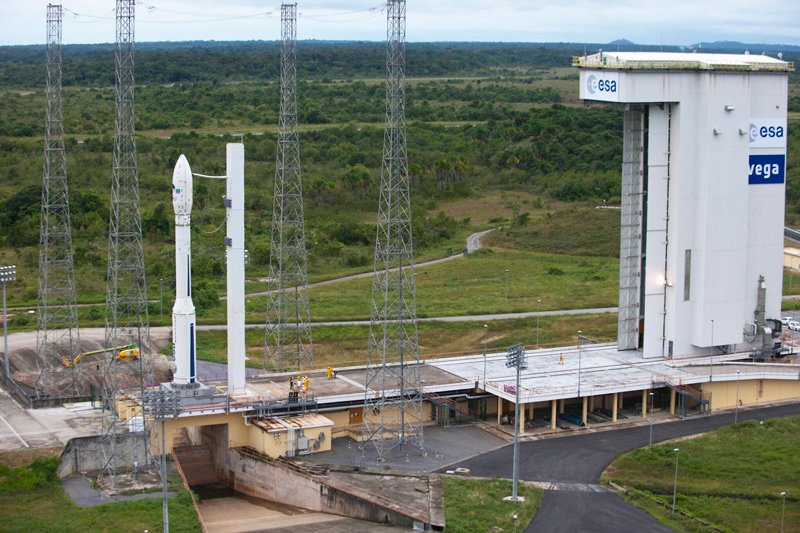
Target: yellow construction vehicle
{"type": "Point", "coordinates": [126, 352]}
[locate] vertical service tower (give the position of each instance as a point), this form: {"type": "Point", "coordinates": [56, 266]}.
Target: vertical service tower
{"type": "Point", "coordinates": [183, 316]}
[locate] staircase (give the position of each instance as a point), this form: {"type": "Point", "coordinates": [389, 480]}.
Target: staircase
{"type": "Point", "coordinates": [450, 403]}
{"type": "Point", "coordinates": [703, 399]}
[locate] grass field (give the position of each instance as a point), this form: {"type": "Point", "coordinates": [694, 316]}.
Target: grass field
{"type": "Point", "coordinates": [347, 345]}
{"type": "Point", "coordinates": [476, 505]}
{"type": "Point", "coordinates": [32, 500]}
{"type": "Point", "coordinates": [730, 478]}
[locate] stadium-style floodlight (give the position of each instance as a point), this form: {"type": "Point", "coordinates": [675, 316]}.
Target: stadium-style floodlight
{"type": "Point", "coordinates": [7, 275]}
{"type": "Point", "coordinates": [515, 358]}
{"type": "Point", "coordinates": [161, 405]}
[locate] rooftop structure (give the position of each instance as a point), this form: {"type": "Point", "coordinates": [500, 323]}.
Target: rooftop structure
{"type": "Point", "coordinates": [682, 61]}
{"type": "Point", "coordinates": [703, 184]}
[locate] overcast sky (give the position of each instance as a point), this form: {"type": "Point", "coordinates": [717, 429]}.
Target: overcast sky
{"type": "Point", "coordinates": [679, 22]}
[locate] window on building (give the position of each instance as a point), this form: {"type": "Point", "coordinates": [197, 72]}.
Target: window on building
{"type": "Point", "coordinates": [687, 275]}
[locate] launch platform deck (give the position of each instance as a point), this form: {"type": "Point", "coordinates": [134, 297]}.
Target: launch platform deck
{"type": "Point", "coordinates": [589, 371]}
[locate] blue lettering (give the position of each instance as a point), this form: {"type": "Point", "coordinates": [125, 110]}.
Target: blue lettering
{"type": "Point", "coordinates": [766, 169]}
{"type": "Point", "coordinates": [771, 131]}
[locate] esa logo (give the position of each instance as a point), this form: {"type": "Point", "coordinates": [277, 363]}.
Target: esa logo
{"type": "Point", "coordinates": [766, 169]}
{"type": "Point", "coordinates": [765, 132]}
{"type": "Point", "coordinates": [593, 85]}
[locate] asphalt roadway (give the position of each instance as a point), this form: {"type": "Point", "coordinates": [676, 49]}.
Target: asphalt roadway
{"type": "Point", "coordinates": [575, 501]}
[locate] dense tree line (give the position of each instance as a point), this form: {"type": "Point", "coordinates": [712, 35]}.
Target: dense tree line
{"type": "Point", "coordinates": [93, 65]}
{"type": "Point", "coordinates": [195, 106]}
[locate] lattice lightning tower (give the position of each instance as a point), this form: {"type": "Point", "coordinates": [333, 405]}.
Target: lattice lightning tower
{"type": "Point", "coordinates": [288, 334]}
{"type": "Point", "coordinates": [57, 314]}
{"type": "Point", "coordinates": [393, 401]}
{"type": "Point", "coordinates": [127, 319]}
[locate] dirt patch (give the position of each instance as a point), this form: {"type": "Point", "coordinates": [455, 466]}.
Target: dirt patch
{"type": "Point", "coordinates": [130, 483]}
{"type": "Point", "coordinates": [19, 458]}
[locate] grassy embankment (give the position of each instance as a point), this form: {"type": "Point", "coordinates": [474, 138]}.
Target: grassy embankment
{"type": "Point", "coordinates": [347, 345]}
{"type": "Point", "coordinates": [730, 479]}
{"type": "Point", "coordinates": [477, 505]}
{"type": "Point", "coordinates": [32, 500]}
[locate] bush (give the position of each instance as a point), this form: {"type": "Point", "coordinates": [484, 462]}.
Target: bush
{"type": "Point", "coordinates": [20, 320]}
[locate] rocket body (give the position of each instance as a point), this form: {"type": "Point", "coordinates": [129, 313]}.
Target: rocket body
{"type": "Point", "coordinates": [183, 313]}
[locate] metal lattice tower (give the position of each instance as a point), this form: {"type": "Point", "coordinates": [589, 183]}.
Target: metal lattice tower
{"type": "Point", "coordinates": [630, 260]}
{"type": "Point", "coordinates": [127, 319]}
{"type": "Point", "coordinates": [393, 401]}
{"type": "Point", "coordinates": [57, 314]}
{"type": "Point", "coordinates": [288, 333]}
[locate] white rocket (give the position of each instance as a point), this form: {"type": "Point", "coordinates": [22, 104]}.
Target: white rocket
{"type": "Point", "coordinates": [183, 315]}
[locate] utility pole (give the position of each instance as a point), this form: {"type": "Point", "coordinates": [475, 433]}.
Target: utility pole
{"type": "Point", "coordinates": [393, 397]}
{"type": "Point", "coordinates": [736, 412]}
{"type": "Point", "coordinates": [506, 289]}
{"type": "Point", "coordinates": [538, 313]}
{"type": "Point", "coordinates": [485, 334]}
{"type": "Point", "coordinates": [675, 483]}
{"type": "Point", "coordinates": [288, 343]}
{"type": "Point", "coordinates": [650, 445]}
{"type": "Point", "coordinates": [580, 337]}
{"type": "Point", "coordinates": [57, 333]}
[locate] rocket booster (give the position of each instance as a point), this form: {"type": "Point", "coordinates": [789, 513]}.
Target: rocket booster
{"type": "Point", "coordinates": [183, 314]}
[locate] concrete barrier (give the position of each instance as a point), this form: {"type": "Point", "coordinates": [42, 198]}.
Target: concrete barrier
{"type": "Point", "coordinates": [85, 454]}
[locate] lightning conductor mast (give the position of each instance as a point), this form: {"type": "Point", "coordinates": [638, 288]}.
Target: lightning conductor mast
{"type": "Point", "coordinates": [183, 313]}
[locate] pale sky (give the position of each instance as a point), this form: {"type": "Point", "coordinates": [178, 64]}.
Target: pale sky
{"type": "Point", "coordinates": [680, 22]}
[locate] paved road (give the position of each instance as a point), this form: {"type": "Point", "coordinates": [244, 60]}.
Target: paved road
{"type": "Point", "coordinates": [462, 318]}
{"type": "Point", "coordinates": [580, 459]}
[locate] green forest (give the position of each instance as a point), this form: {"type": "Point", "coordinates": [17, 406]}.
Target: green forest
{"type": "Point", "coordinates": [483, 120]}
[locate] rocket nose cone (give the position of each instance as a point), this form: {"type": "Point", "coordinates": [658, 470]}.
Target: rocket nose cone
{"type": "Point", "coordinates": [182, 187]}
{"type": "Point", "coordinates": [182, 171]}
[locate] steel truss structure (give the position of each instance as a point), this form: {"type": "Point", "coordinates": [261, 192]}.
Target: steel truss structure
{"type": "Point", "coordinates": [127, 318]}
{"type": "Point", "coordinates": [393, 399]}
{"type": "Point", "coordinates": [57, 331]}
{"type": "Point", "coordinates": [288, 343]}
{"type": "Point", "coordinates": [630, 260]}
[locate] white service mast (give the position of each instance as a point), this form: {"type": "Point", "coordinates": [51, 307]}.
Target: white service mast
{"type": "Point", "coordinates": [183, 312]}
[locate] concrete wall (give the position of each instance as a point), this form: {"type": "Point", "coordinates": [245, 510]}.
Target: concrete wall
{"type": "Point", "coordinates": [85, 454]}
{"type": "Point", "coordinates": [723, 393]}
{"type": "Point", "coordinates": [276, 482]}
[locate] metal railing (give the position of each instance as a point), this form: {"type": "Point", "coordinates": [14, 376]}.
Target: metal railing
{"type": "Point", "coordinates": [628, 64]}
